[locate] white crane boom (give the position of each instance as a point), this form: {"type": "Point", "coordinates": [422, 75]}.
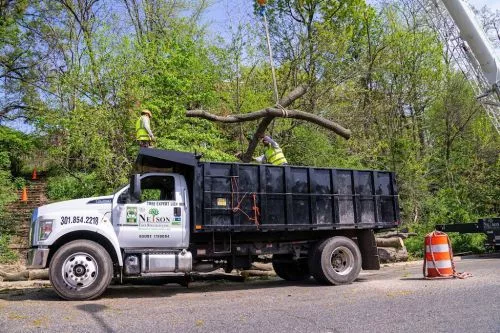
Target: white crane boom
{"type": "Point", "coordinates": [472, 33]}
{"type": "Point", "coordinates": [470, 48]}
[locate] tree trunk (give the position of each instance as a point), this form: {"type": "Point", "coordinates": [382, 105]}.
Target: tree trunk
{"type": "Point", "coordinates": [402, 235]}
{"type": "Point", "coordinates": [20, 276]}
{"type": "Point", "coordinates": [262, 267]}
{"type": "Point", "coordinates": [395, 242]}
{"type": "Point", "coordinates": [252, 272]}
{"type": "Point", "coordinates": [390, 254]}
{"type": "Point", "coordinates": [39, 274]}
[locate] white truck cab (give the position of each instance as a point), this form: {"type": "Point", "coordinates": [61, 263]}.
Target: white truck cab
{"type": "Point", "coordinates": [157, 218]}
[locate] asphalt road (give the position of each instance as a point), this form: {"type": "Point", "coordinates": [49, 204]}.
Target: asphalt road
{"type": "Point", "coordinates": [395, 299]}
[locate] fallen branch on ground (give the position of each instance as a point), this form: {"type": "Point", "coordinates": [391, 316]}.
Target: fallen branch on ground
{"type": "Point", "coordinates": [24, 275]}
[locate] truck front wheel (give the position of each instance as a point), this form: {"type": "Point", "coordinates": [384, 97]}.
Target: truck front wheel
{"type": "Point", "coordinates": [336, 260]}
{"type": "Point", "coordinates": [289, 269]}
{"type": "Point", "coordinates": [80, 270]}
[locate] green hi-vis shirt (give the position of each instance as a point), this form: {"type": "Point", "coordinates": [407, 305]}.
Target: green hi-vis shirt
{"type": "Point", "coordinates": [275, 156]}
{"type": "Point", "coordinates": [141, 131]}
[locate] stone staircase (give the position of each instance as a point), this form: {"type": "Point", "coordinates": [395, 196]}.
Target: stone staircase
{"type": "Point", "coordinates": [21, 213]}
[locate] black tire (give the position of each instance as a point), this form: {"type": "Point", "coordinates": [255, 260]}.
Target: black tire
{"type": "Point", "coordinates": [335, 261]}
{"type": "Point", "coordinates": [81, 270]}
{"type": "Point", "coordinates": [289, 269]}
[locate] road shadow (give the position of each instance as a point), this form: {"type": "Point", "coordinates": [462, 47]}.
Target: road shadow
{"type": "Point", "coordinates": [94, 310]}
{"type": "Point", "coordinates": [156, 290]}
{"type": "Point", "coordinates": [202, 287]}
{"type": "Point", "coordinates": [415, 279]}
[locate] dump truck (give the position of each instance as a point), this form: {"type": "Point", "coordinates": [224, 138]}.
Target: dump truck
{"type": "Point", "coordinates": [181, 216]}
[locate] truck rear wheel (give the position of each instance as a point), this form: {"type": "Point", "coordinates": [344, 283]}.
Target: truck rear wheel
{"type": "Point", "coordinates": [336, 260]}
{"type": "Point", "coordinates": [289, 269]}
{"type": "Point", "coordinates": [80, 270]}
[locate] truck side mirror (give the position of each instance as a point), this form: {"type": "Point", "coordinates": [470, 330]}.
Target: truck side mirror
{"type": "Point", "coordinates": [135, 187]}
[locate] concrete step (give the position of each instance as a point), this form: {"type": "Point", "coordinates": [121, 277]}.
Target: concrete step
{"type": "Point", "coordinates": [21, 212]}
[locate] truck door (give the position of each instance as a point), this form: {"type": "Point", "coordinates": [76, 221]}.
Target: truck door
{"type": "Point", "coordinates": [158, 219]}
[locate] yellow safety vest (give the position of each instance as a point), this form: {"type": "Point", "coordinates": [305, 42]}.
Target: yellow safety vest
{"type": "Point", "coordinates": [140, 132]}
{"type": "Point", "coordinates": [275, 156]}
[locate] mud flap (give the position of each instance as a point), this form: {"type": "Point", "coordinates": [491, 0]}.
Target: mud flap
{"type": "Point", "coordinates": [368, 248]}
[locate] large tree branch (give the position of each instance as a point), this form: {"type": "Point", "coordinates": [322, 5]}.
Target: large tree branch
{"type": "Point", "coordinates": [252, 145]}
{"type": "Point", "coordinates": [267, 115]}
{"type": "Point", "coordinates": [268, 112]}
{"type": "Point", "coordinates": [271, 113]}
{"type": "Point", "coordinates": [294, 95]}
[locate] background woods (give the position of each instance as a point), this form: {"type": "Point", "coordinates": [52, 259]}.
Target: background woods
{"type": "Point", "coordinates": [75, 73]}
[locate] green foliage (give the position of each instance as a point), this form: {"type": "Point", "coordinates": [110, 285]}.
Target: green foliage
{"type": "Point", "coordinates": [150, 195]}
{"type": "Point", "coordinates": [19, 182]}
{"type": "Point", "coordinates": [7, 191]}
{"type": "Point", "coordinates": [310, 146]}
{"type": "Point", "coordinates": [6, 254]}
{"type": "Point", "coordinates": [16, 145]}
{"type": "Point", "coordinates": [14, 148]}
{"type": "Point", "coordinates": [78, 185]}
{"type": "Point", "coordinates": [415, 246]}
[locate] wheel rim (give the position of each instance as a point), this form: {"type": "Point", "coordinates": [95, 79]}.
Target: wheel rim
{"type": "Point", "coordinates": [79, 270]}
{"type": "Point", "coordinates": [342, 260]}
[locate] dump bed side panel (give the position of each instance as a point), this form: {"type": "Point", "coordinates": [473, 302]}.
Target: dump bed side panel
{"type": "Point", "coordinates": [245, 197]}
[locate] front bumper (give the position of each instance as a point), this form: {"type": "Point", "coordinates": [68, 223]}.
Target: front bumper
{"type": "Point", "coordinates": [37, 258]}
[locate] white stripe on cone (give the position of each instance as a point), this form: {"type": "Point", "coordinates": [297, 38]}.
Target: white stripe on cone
{"type": "Point", "coordinates": [439, 264]}
{"type": "Point", "coordinates": [437, 248]}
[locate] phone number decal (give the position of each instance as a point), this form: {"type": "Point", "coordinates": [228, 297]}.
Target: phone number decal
{"type": "Point", "coordinates": [79, 219]}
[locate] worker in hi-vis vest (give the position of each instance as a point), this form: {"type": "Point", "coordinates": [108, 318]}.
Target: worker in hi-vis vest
{"type": "Point", "coordinates": [144, 135]}
{"type": "Point", "coordinates": [273, 153]}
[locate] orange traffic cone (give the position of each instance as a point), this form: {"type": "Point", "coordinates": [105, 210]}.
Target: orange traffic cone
{"type": "Point", "coordinates": [24, 195]}
{"type": "Point", "coordinates": [34, 174]}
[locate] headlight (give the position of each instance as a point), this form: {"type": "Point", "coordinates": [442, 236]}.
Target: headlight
{"type": "Point", "coordinates": [44, 229]}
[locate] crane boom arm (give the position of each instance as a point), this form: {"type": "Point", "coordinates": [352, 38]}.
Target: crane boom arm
{"type": "Point", "coordinates": [472, 33]}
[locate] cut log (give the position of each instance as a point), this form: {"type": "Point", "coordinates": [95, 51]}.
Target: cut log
{"type": "Point", "coordinates": [390, 254]}
{"type": "Point", "coordinates": [217, 276]}
{"type": "Point", "coordinates": [265, 258]}
{"type": "Point", "coordinates": [19, 276]}
{"type": "Point", "coordinates": [390, 234]}
{"type": "Point", "coordinates": [262, 267]}
{"type": "Point", "coordinates": [395, 242]}
{"type": "Point", "coordinates": [39, 274]}
{"type": "Point", "coordinates": [253, 272]}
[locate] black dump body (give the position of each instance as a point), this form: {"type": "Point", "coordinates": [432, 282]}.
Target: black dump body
{"type": "Point", "coordinates": [251, 197]}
